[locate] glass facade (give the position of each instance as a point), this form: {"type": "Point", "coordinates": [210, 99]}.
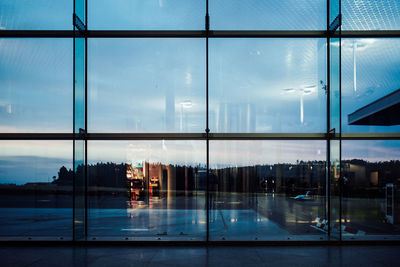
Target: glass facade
{"type": "Point", "coordinates": [35, 202]}
{"type": "Point", "coordinates": [147, 190]}
{"type": "Point", "coordinates": [200, 120]}
{"type": "Point", "coordinates": [260, 190]}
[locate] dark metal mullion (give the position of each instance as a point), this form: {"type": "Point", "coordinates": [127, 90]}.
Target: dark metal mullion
{"type": "Point", "coordinates": [268, 34]}
{"type": "Point", "coordinates": [85, 118]}
{"type": "Point", "coordinates": [207, 28]}
{"type": "Point", "coordinates": [145, 136]}
{"type": "Point", "coordinates": [86, 141]}
{"type": "Point", "coordinates": [145, 34]}
{"type": "Point", "coordinates": [328, 123]}
{"type": "Point", "coordinates": [268, 136]}
{"type": "Point", "coordinates": [37, 136]}
{"type": "Point", "coordinates": [38, 34]}
{"type": "Point", "coordinates": [370, 136]}
{"type": "Point", "coordinates": [368, 34]}
{"type": "Point", "coordinates": [73, 136]}
{"type": "Point", "coordinates": [197, 136]}
{"type": "Point", "coordinates": [194, 34]}
{"type": "Point", "coordinates": [340, 123]}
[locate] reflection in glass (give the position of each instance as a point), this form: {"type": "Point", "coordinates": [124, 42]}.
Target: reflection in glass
{"type": "Point", "coordinates": [371, 191]}
{"type": "Point", "coordinates": [147, 190]}
{"type": "Point", "coordinates": [146, 85]}
{"type": "Point", "coordinates": [36, 85]}
{"type": "Point", "coordinates": [334, 190]}
{"type": "Point", "coordinates": [334, 92]}
{"type": "Point", "coordinates": [268, 15]}
{"type": "Point", "coordinates": [334, 145]}
{"type": "Point", "coordinates": [79, 85]}
{"type": "Point", "coordinates": [80, 9]}
{"type": "Point", "coordinates": [334, 9]}
{"type": "Point", "coordinates": [36, 15]}
{"type": "Point", "coordinates": [79, 182]}
{"type": "Point", "coordinates": [36, 189]}
{"type": "Point", "coordinates": [267, 190]}
{"type": "Point", "coordinates": [369, 72]}
{"type": "Point", "coordinates": [146, 15]}
{"type": "Point", "coordinates": [371, 15]}
{"type": "Point", "coordinates": [267, 85]}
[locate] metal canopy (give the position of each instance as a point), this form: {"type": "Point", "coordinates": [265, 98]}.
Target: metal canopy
{"type": "Point", "coordinates": [384, 111]}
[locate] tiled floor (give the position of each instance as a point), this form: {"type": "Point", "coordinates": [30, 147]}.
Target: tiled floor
{"type": "Point", "coordinates": [201, 256]}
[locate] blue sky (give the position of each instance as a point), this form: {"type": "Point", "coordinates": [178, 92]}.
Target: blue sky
{"type": "Point", "coordinates": [158, 85]}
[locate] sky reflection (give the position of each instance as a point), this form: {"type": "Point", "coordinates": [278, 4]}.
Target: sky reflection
{"type": "Point", "coordinates": [153, 85]}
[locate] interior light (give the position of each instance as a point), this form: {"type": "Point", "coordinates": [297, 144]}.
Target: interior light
{"type": "Point", "coordinates": [187, 104]}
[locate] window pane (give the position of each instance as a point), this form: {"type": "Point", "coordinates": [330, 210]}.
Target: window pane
{"type": "Point", "coordinates": [267, 190]}
{"type": "Point", "coordinates": [146, 15]}
{"type": "Point", "coordinates": [36, 85]}
{"type": "Point", "coordinates": [79, 84]}
{"type": "Point", "coordinates": [146, 85]}
{"type": "Point", "coordinates": [371, 170]}
{"type": "Point", "coordinates": [36, 189]}
{"type": "Point", "coordinates": [268, 15]}
{"type": "Point", "coordinates": [36, 15]}
{"type": "Point", "coordinates": [267, 85]}
{"type": "Point", "coordinates": [369, 72]}
{"type": "Point", "coordinates": [147, 190]}
{"type": "Point", "coordinates": [371, 15]}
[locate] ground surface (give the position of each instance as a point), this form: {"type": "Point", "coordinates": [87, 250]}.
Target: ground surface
{"type": "Point", "coordinates": [232, 217]}
{"type": "Point", "coordinates": [201, 256]}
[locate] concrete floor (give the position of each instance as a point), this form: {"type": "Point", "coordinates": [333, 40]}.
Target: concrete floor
{"type": "Point", "coordinates": [232, 217]}
{"type": "Point", "coordinates": [201, 256]}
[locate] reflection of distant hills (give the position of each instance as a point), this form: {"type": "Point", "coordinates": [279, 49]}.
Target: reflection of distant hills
{"type": "Point", "coordinates": [35, 188]}
{"type": "Point", "coordinates": [23, 169]}
{"type": "Point", "coordinates": [357, 173]}
{"type": "Point", "coordinates": [101, 174]}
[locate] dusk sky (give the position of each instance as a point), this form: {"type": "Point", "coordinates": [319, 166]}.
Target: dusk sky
{"type": "Point", "coordinates": [158, 85]}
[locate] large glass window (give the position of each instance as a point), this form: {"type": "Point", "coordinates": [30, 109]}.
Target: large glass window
{"type": "Point", "coordinates": [36, 15]}
{"type": "Point", "coordinates": [146, 85]}
{"type": "Point", "coordinates": [371, 193]}
{"type": "Point", "coordinates": [147, 190]}
{"type": "Point", "coordinates": [36, 189]}
{"type": "Point", "coordinates": [267, 85]}
{"type": "Point", "coordinates": [35, 85]}
{"type": "Point", "coordinates": [267, 190]}
{"type": "Point", "coordinates": [146, 15]}
{"type": "Point", "coordinates": [371, 15]}
{"type": "Point", "coordinates": [268, 15]}
{"type": "Point", "coordinates": [369, 72]}
{"type": "Point", "coordinates": [145, 124]}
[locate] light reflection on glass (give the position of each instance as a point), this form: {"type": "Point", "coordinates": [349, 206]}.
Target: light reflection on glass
{"type": "Point", "coordinates": [36, 189]}
{"type": "Point", "coordinates": [36, 85]}
{"type": "Point", "coordinates": [147, 190]}
{"type": "Point", "coordinates": [371, 171]}
{"type": "Point", "coordinates": [267, 85]}
{"type": "Point", "coordinates": [268, 15]}
{"type": "Point", "coordinates": [36, 15]}
{"type": "Point", "coordinates": [146, 85]}
{"type": "Point", "coordinates": [267, 190]}
{"type": "Point", "coordinates": [369, 73]}
{"type": "Point", "coordinates": [135, 14]}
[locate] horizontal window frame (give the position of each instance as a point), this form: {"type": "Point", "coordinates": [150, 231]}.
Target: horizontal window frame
{"type": "Point", "coordinates": [199, 136]}
{"type": "Point", "coordinates": [194, 34]}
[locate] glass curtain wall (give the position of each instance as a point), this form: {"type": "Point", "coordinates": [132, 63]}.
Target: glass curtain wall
{"type": "Point", "coordinates": [199, 120]}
